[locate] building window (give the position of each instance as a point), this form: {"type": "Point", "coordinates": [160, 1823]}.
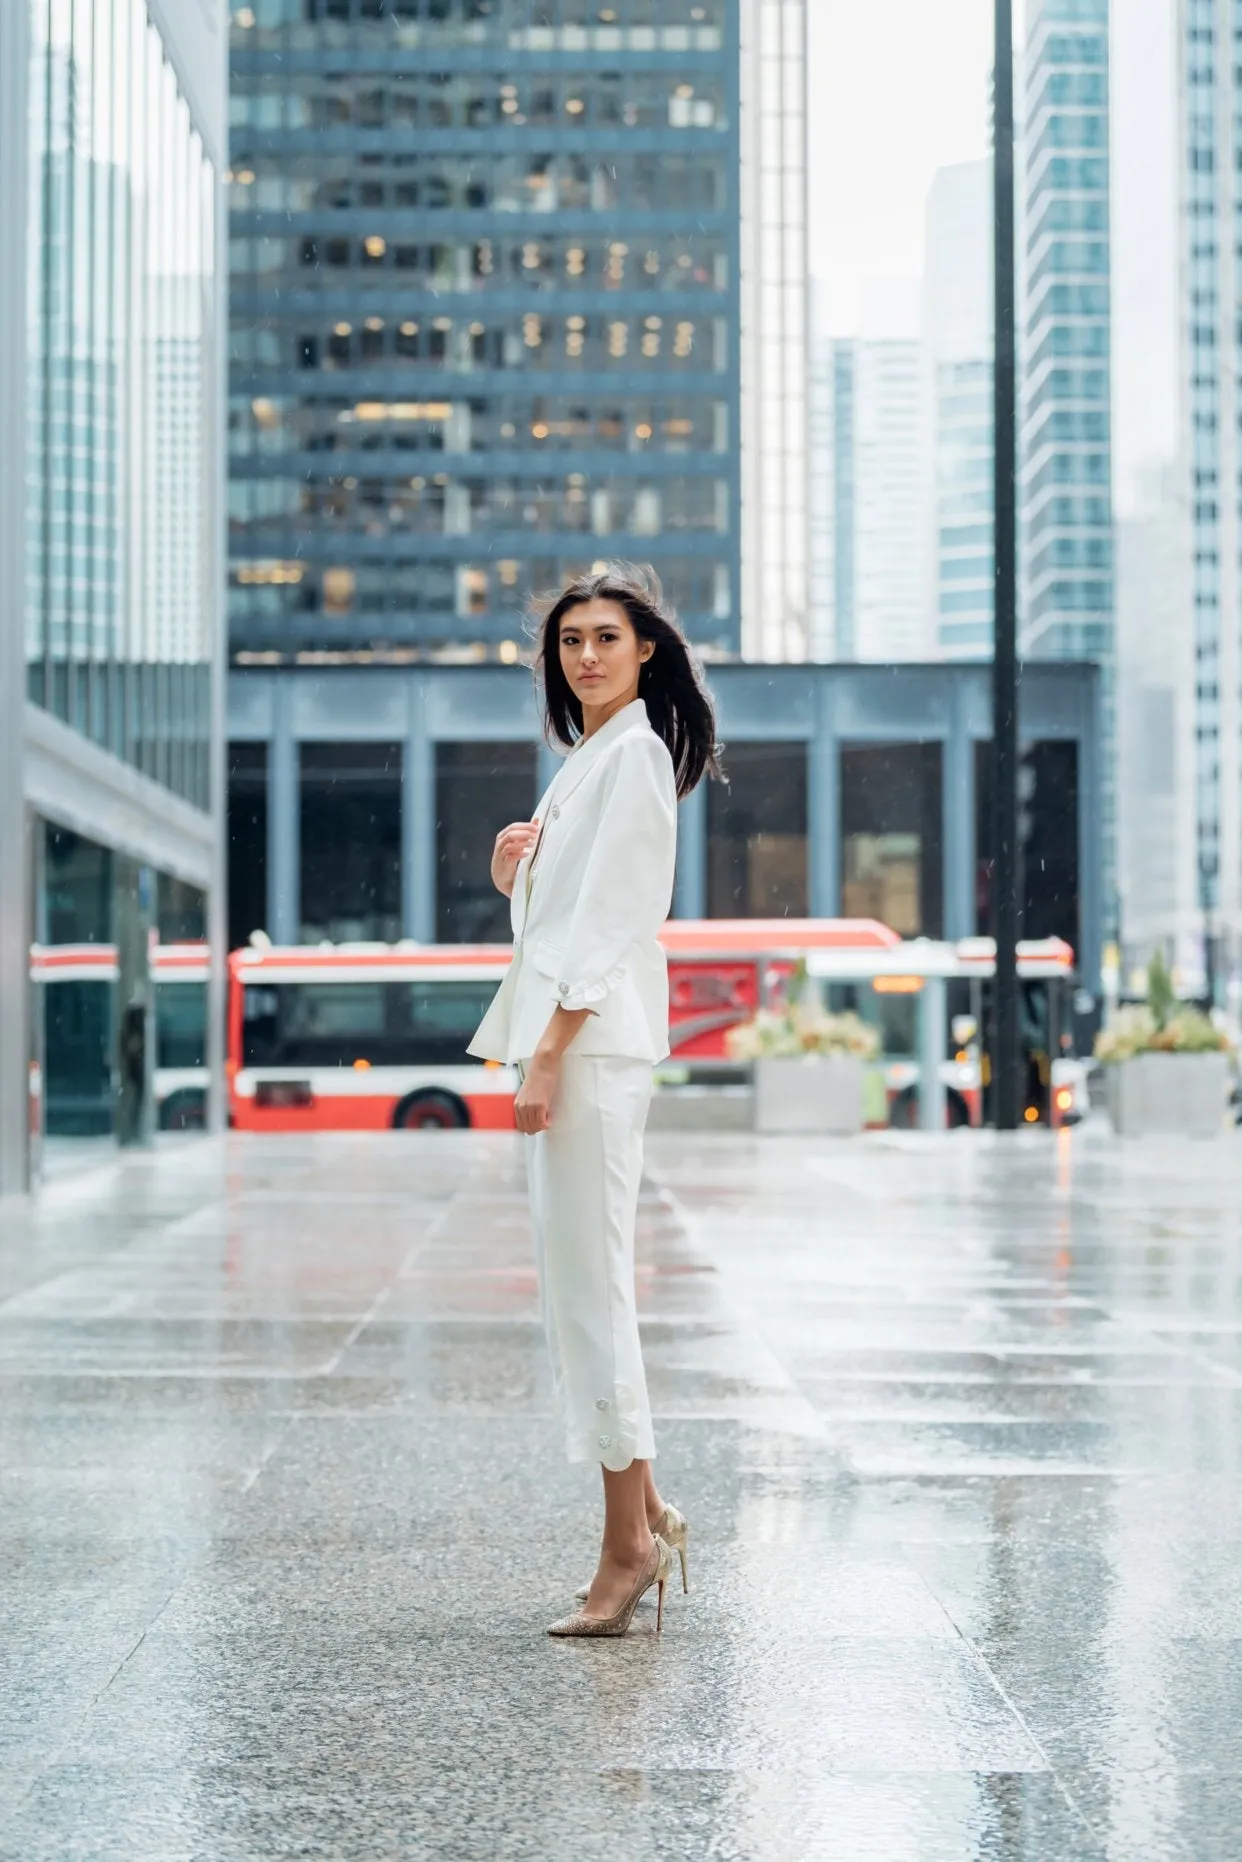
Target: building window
{"type": "Point", "coordinates": [891, 837]}
{"type": "Point", "coordinates": [1048, 837]}
{"type": "Point", "coordinates": [351, 842]}
{"type": "Point", "coordinates": [247, 841]}
{"type": "Point", "coordinates": [480, 788]}
{"type": "Point", "coordinates": [756, 833]}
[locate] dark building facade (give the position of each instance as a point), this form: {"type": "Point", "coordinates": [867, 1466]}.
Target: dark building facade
{"type": "Point", "coordinates": [484, 300]}
{"type": "Point", "coordinates": [856, 790]}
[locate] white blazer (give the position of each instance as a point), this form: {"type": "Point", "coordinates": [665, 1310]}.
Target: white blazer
{"type": "Point", "coordinates": [588, 903]}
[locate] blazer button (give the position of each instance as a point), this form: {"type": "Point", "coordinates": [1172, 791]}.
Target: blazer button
{"type": "Point", "coordinates": [562, 989]}
{"type": "Point", "coordinates": [556, 813]}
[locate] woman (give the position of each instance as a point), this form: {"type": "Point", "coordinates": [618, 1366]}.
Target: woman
{"type": "Point", "coordinates": [583, 1012]}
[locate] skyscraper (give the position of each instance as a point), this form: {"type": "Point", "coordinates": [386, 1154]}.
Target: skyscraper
{"type": "Point", "coordinates": [869, 425]}
{"type": "Point", "coordinates": [1209, 112]}
{"type": "Point", "coordinates": [957, 356]}
{"type": "Point", "coordinates": [890, 612]}
{"type": "Point", "coordinates": [485, 292]}
{"type": "Point", "coordinates": [112, 128]}
{"type": "Point", "coordinates": [1066, 604]}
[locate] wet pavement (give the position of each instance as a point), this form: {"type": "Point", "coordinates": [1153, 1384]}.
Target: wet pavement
{"type": "Point", "coordinates": [956, 1422]}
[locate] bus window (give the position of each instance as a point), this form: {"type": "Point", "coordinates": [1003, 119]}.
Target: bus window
{"type": "Point", "coordinates": [898, 1017]}
{"type": "Point", "coordinates": [441, 1017]}
{"type": "Point", "coordinates": [181, 1025]}
{"type": "Point", "coordinates": [385, 1024]}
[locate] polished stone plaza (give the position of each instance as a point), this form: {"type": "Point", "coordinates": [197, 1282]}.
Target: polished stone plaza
{"type": "Point", "coordinates": [957, 1423]}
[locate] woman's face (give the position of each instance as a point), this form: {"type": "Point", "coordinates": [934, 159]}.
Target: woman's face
{"type": "Point", "coordinates": [601, 655]}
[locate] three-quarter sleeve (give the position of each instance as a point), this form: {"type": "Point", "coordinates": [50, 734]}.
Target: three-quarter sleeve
{"type": "Point", "coordinates": [627, 886]}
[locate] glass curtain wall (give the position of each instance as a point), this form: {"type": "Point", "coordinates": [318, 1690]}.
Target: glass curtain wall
{"type": "Point", "coordinates": [484, 317]}
{"type": "Point", "coordinates": [119, 604]}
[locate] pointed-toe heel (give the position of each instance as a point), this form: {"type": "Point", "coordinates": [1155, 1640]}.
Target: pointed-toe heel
{"type": "Point", "coordinates": [655, 1569]}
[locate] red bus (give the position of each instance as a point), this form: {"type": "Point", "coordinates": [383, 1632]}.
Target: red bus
{"type": "Point", "coordinates": [370, 1037]}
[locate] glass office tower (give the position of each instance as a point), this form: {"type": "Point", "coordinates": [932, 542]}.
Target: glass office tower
{"type": "Point", "coordinates": [120, 291]}
{"type": "Point", "coordinates": [484, 318]}
{"type": "Point", "coordinates": [112, 141]}
{"type": "Point", "coordinates": [1066, 489]}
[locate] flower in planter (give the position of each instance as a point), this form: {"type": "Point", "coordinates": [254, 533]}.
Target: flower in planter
{"type": "Point", "coordinates": [1163, 1025]}
{"type": "Point", "coordinates": [801, 1030]}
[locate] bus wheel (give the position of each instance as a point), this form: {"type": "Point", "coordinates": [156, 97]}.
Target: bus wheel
{"type": "Point", "coordinates": [431, 1111]}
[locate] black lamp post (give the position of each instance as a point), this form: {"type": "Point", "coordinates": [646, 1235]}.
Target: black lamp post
{"type": "Point", "coordinates": [1006, 873]}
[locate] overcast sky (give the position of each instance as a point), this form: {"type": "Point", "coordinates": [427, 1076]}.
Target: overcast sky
{"type": "Point", "coordinates": [899, 88]}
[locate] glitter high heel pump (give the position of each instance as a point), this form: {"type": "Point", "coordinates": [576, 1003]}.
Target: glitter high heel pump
{"type": "Point", "coordinates": [655, 1569]}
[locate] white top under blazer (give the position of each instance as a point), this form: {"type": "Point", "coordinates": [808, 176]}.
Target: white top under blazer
{"type": "Point", "coordinates": [588, 903]}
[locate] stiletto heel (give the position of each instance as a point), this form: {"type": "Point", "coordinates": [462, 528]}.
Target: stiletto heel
{"type": "Point", "coordinates": [655, 1569]}
{"type": "Point", "coordinates": [685, 1582]}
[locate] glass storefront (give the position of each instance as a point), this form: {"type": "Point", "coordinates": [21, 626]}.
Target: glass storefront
{"type": "Point", "coordinates": [351, 842]}
{"type": "Point", "coordinates": [123, 1033]}
{"type": "Point", "coordinates": [480, 788]}
{"type": "Point", "coordinates": [756, 833]}
{"type": "Point", "coordinates": [892, 837]}
{"type": "Point", "coordinates": [120, 603]}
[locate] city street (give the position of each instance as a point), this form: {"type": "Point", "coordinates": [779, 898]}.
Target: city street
{"type": "Point", "coordinates": [957, 1422]}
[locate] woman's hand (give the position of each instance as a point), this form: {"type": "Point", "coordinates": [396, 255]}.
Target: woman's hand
{"type": "Point", "coordinates": [536, 1096]}
{"type": "Point", "coordinates": [532, 1109]}
{"type": "Point", "coordinates": [512, 845]}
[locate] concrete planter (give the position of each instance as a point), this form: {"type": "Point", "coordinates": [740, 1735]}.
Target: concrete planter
{"type": "Point", "coordinates": [1176, 1095]}
{"type": "Point", "coordinates": [821, 1093]}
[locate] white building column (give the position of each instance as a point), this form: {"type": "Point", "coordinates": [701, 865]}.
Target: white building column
{"type": "Point", "coordinates": [418, 820]}
{"type": "Point", "coordinates": [775, 374]}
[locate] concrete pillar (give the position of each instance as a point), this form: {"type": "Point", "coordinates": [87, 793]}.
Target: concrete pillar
{"type": "Point", "coordinates": [1089, 956]}
{"type": "Point", "coordinates": [418, 821]}
{"type": "Point", "coordinates": [933, 1041]}
{"type": "Point", "coordinates": [957, 795]}
{"type": "Point", "coordinates": [284, 820]}
{"type": "Point", "coordinates": [824, 809]}
{"type": "Point", "coordinates": [690, 884]}
{"type": "Point", "coordinates": [134, 922]}
{"type": "Point", "coordinates": [15, 876]}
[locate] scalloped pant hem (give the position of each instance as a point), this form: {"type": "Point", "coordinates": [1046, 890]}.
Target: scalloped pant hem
{"type": "Point", "coordinates": [583, 1176]}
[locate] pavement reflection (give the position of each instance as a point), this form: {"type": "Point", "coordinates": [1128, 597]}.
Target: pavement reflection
{"type": "Point", "coordinates": [955, 1420]}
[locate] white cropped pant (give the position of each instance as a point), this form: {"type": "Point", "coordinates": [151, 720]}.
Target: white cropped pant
{"type": "Point", "coordinates": [584, 1177]}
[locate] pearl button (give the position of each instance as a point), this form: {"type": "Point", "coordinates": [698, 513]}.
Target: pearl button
{"type": "Point", "coordinates": [556, 813]}
{"type": "Point", "coordinates": [562, 989]}
{"type": "Point", "coordinates": [601, 1402]}
{"type": "Point", "coordinates": [605, 1441]}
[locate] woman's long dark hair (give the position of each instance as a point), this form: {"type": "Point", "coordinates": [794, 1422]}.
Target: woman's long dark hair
{"type": "Point", "coordinates": [669, 684]}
